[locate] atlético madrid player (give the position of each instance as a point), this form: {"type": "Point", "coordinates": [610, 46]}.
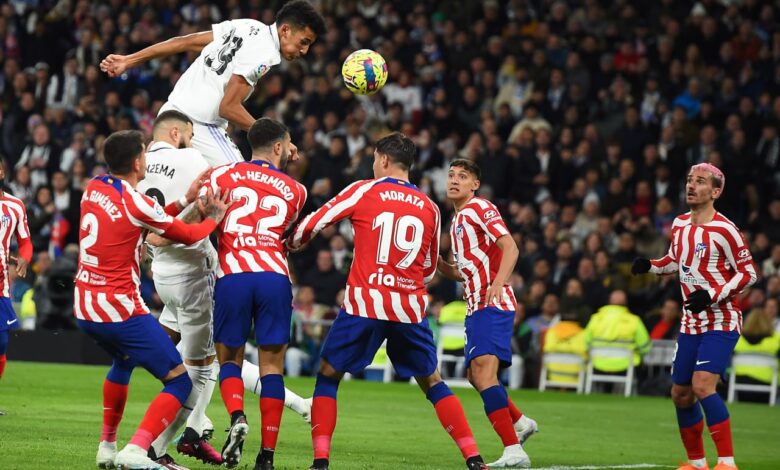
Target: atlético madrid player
{"type": "Point", "coordinates": [13, 221]}
{"type": "Point", "coordinates": [396, 246]}
{"type": "Point", "coordinates": [714, 264]}
{"type": "Point", "coordinates": [485, 256]}
{"type": "Point", "coordinates": [107, 303]}
{"type": "Point", "coordinates": [253, 281]}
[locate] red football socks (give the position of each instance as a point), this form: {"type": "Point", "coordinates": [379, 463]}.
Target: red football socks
{"type": "Point", "coordinates": [232, 390]}
{"type": "Point", "coordinates": [501, 421]}
{"type": "Point", "coordinates": [323, 423]}
{"type": "Point", "coordinates": [514, 411]}
{"type": "Point", "coordinates": [691, 437]}
{"type": "Point", "coordinates": [721, 435]}
{"type": "Point", "coordinates": [453, 419]}
{"type": "Point", "coordinates": [270, 416]}
{"type": "Point", "coordinates": [114, 399]}
{"type": "Point", "coordinates": [161, 412]}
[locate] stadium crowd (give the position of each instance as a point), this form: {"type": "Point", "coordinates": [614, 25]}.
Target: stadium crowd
{"type": "Point", "coordinates": [583, 115]}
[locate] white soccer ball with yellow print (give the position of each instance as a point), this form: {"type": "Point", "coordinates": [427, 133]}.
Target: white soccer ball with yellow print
{"type": "Point", "coordinates": [364, 72]}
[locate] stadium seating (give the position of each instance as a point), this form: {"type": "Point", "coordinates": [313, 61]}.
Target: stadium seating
{"type": "Point", "coordinates": [449, 330]}
{"type": "Point", "coordinates": [626, 379]}
{"type": "Point", "coordinates": [562, 358]}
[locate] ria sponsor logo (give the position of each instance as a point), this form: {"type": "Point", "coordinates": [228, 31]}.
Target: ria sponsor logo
{"type": "Point", "coordinates": [379, 278]}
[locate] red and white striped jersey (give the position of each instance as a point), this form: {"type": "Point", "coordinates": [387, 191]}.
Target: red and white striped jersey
{"type": "Point", "coordinates": [13, 220]}
{"type": "Point", "coordinates": [113, 219]}
{"type": "Point", "coordinates": [474, 231]}
{"type": "Point", "coordinates": [266, 202]}
{"type": "Point", "coordinates": [396, 246]}
{"type": "Point", "coordinates": [711, 256]}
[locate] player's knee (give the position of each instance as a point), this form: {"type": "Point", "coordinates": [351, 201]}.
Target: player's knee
{"type": "Point", "coordinates": [703, 389]}
{"type": "Point", "coordinates": [179, 386]}
{"type": "Point", "coordinates": [682, 397]}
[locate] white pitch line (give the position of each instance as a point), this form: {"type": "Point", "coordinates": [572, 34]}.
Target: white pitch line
{"type": "Point", "coordinates": [604, 467]}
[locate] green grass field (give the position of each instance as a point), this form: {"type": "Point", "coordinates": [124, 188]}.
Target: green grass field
{"type": "Point", "coordinates": [54, 419]}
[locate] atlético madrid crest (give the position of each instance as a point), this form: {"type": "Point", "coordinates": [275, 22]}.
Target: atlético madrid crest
{"type": "Point", "coordinates": [459, 231]}
{"type": "Point", "coordinates": [700, 250]}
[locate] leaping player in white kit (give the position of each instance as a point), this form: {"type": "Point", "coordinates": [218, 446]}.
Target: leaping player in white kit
{"type": "Point", "coordinates": [184, 277]}
{"type": "Point", "coordinates": [234, 55]}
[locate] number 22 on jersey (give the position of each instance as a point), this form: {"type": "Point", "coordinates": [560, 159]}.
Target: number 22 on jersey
{"type": "Point", "coordinates": [255, 216]}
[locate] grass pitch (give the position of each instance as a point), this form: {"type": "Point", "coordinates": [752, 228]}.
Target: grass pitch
{"type": "Point", "coordinates": [54, 417]}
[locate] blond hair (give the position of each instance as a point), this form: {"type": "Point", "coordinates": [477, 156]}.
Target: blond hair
{"type": "Point", "coordinates": [757, 324]}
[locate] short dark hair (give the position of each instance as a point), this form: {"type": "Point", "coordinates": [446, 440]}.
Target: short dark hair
{"type": "Point", "coordinates": [467, 165]}
{"type": "Point", "coordinates": [266, 132]}
{"type": "Point", "coordinates": [170, 115]}
{"type": "Point", "coordinates": [399, 148]}
{"type": "Point", "coordinates": [300, 14]}
{"type": "Point", "coordinates": [121, 149]}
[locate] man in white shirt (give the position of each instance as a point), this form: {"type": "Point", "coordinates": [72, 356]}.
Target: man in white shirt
{"type": "Point", "coordinates": [184, 278]}
{"type": "Point", "coordinates": [233, 57]}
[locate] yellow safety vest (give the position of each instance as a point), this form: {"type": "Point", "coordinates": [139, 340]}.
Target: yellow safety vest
{"type": "Point", "coordinates": [27, 307]}
{"type": "Point", "coordinates": [453, 313]}
{"type": "Point", "coordinates": [616, 326]}
{"type": "Point", "coordinates": [565, 337]}
{"type": "Point", "coordinates": [769, 346]}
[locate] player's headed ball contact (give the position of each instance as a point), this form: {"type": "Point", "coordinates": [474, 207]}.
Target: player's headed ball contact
{"type": "Point", "coordinates": [364, 72]}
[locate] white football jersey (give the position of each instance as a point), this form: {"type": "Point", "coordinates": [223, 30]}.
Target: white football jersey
{"type": "Point", "coordinates": [240, 47]}
{"type": "Point", "coordinates": [169, 173]}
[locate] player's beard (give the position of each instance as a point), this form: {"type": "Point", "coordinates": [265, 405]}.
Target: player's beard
{"type": "Point", "coordinates": [182, 143]}
{"type": "Point", "coordinates": [283, 159]}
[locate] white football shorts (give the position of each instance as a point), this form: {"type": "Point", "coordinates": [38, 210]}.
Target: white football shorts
{"type": "Point", "coordinates": [189, 310]}
{"type": "Point", "coordinates": [212, 141]}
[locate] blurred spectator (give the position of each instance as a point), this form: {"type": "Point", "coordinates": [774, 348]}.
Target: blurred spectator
{"type": "Point", "coordinates": [758, 337]}
{"type": "Point", "coordinates": [40, 155]}
{"type": "Point", "coordinates": [324, 277]}
{"type": "Point", "coordinates": [665, 322]}
{"type": "Point", "coordinates": [309, 332]}
{"type": "Point", "coordinates": [615, 326]}
{"type": "Point", "coordinates": [21, 186]}
{"type": "Point", "coordinates": [566, 336]}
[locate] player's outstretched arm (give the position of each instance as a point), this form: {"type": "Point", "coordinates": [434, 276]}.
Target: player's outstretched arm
{"type": "Point", "coordinates": [214, 209]}
{"type": "Point", "coordinates": [509, 254]}
{"type": "Point", "coordinates": [192, 216]}
{"type": "Point", "coordinates": [338, 208]}
{"type": "Point", "coordinates": [116, 64]}
{"type": "Point", "coordinates": [232, 107]}
{"type": "Point", "coordinates": [665, 265]}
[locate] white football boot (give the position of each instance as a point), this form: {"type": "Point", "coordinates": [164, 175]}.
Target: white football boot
{"type": "Point", "coordinates": [106, 454]}
{"type": "Point", "coordinates": [133, 457]}
{"type": "Point", "coordinates": [514, 457]}
{"type": "Point", "coordinates": [525, 427]}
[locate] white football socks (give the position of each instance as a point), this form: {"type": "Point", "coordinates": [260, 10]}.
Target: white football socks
{"type": "Point", "coordinates": [207, 377]}
{"type": "Point", "coordinates": [250, 373]}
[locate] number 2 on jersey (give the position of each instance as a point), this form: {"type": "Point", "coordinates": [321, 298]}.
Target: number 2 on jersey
{"type": "Point", "coordinates": [89, 223]}
{"type": "Point", "coordinates": [398, 233]}
{"type": "Point", "coordinates": [250, 204]}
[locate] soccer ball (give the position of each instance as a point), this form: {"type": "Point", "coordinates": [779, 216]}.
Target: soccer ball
{"type": "Point", "coordinates": [364, 72]}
